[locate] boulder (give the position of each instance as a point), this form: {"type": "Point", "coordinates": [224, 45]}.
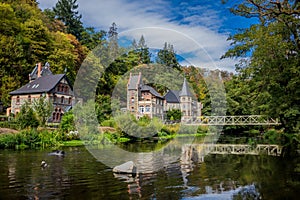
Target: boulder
{"type": "Point", "coordinates": [125, 168]}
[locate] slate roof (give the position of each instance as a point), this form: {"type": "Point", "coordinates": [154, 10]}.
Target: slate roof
{"type": "Point", "coordinates": [151, 90]}
{"type": "Point", "coordinates": [134, 81]}
{"type": "Point", "coordinates": [185, 90]}
{"type": "Point", "coordinates": [172, 96]}
{"type": "Point", "coordinates": [39, 85]}
{"type": "Point", "coordinates": [45, 71]}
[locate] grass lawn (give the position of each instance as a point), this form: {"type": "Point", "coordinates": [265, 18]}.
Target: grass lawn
{"type": "Point", "coordinates": [73, 143]}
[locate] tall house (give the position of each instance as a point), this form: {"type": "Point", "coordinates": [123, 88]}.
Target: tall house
{"type": "Point", "coordinates": [185, 96]}
{"type": "Point", "coordinates": [55, 87]}
{"type": "Point", "coordinates": [133, 92]}
{"type": "Point", "coordinates": [144, 100]}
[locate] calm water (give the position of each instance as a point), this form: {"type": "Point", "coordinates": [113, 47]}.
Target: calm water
{"type": "Point", "coordinates": [78, 175]}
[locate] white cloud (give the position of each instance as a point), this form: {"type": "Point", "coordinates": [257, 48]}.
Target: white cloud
{"type": "Point", "coordinates": [194, 34]}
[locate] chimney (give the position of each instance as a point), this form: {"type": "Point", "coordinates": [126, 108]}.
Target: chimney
{"type": "Point", "coordinates": [39, 70]}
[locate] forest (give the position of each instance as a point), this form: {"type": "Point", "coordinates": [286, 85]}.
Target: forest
{"type": "Point", "coordinates": [266, 81]}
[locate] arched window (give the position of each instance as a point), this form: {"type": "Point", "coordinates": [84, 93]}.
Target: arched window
{"type": "Point", "coordinates": [54, 98]}
{"type": "Point", "coordinates": [62, 99]}
{"type": "Point", "coordinates": [29, 99]}
{"type": "Point", "coordinates": [70, 100]}
{"type": "Point", "coordinates": [147, 108]}
{"type": "Point", "coordinates": [141, 109]}
{"type": "Point", "coordinates": [18, 100]}
{"type": "Point", "coordinates": [54, 116]}
{"type": "Point", "coordinates": [57, 118]}
{"type": "Point", "coordinates": [66, 89]}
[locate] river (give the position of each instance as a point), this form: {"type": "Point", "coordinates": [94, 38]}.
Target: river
{"type": "Point", "coordinates": [79, 175]}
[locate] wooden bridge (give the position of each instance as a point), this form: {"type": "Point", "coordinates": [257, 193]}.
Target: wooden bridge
{"type": "Point", "coordinates": [233, 120]}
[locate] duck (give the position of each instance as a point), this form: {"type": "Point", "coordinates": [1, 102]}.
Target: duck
{"type": "Point", "coordinates": [57, 153]}
{"type": "Point", "coordinates": [44, 164]}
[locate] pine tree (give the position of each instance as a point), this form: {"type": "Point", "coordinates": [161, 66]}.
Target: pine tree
{"type": "Point", "coordinates": [113, 41]}
{"type": "Point", "coordinates": [143, 51]}
{"type": "Point", "coordinates": [66, 11]}
{"type": "Point", "coordinates": [167, 56]}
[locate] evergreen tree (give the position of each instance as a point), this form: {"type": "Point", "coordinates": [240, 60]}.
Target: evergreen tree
{"type": "Point", "coordinates": [167, 56]}
{"type": "Point", "coordinates": [66, 11]}
{"type": "Point", "coordinates": [113, 41]}
{"type": "Point", "coordinates": [143, 51]}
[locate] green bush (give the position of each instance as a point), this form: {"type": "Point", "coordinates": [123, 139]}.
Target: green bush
{"type": "Point", "coordinates": [273, 136]}
{"type": "Point", "coordinates": [67, 122]}
{"type": "Point", "coordinates": [109, 123]}
{"type": "Point", "coordinates": [9, 124]}
{"type": "Point", "coordinates": [26, 117]}
{"type": "Point", "coordinates": [30, 138]}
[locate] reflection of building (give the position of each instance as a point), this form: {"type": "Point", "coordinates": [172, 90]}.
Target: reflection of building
{"type": "Point", "coordinates": [144, 100]}
{"type": "Point", "coordinates": [42, 82]}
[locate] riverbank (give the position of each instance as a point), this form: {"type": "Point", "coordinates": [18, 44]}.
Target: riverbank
{"type": "Point", "coordinates": [7, 130]}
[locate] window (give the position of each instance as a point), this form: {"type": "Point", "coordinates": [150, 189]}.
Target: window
{"type": "Point", "coordinates": [18, 100]}
{"type": "Point", "coordinates": [70, 100]}
{"type": "Point", "coordinates": [132, 99]}
{"type": "Point", "coordinates": [66, 89]}
{"type": "Point", "coordinates": [29, 99]}
{"type": "Point", "coordinates": [54, 98]}
{"type": "Point", "coordinates": [62, 100]}
{"type": "Point", "coordinates": [147, 109]}
{"type": "Point", "coordinates": [141, 109]}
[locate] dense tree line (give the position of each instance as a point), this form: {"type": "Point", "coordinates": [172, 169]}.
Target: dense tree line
{"type": "Point", "coordinates": [266, 82]}
{"type": "Point", "coordinates": [268, 74]}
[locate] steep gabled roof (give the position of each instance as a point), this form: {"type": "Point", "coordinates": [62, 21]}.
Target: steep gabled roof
{"type": "Point", "coordinates": [185, 90]}
{"type": "Point", "coordinates": [45, 71]}
{"type": "Point", "coordinates": [39, 85]}
{"type": "Point", "coordinates": [172, 96]}
{"type": "Point", "coordinates": [134, 81]}
{"type": "Point", "coordinates": [145, 88]}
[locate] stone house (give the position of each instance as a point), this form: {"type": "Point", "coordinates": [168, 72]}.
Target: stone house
{"type": "Point", "coordinates": [42, 82]}
{"type": "Point", "coordinates": [183, 100]}
{"type": "Point", "coordinates": [144, 100]}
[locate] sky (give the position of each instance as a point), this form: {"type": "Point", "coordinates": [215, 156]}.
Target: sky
{"type": "Point", "coordinates": [198, 29]}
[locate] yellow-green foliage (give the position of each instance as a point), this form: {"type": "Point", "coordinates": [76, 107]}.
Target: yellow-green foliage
{"type": "Point", "coordinates": [30, 138]}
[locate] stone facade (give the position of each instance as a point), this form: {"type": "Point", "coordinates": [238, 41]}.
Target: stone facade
{"type": "Point", "coordinates": [143, 100]}
{"type": "Point", "coordinates": [56, 88]}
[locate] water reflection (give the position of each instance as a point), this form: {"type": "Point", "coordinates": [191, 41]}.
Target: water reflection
{"type": "Point", "coordinates": [79, 175]}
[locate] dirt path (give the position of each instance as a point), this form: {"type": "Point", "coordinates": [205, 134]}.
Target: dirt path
{"type": "Point", "coordinates": [8, 130]}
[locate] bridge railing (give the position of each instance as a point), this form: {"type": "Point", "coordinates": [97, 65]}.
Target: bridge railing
{"type": "Point", "coordinates": [204, 149]}
{"type": "Point", "coordinates": [234, 120]}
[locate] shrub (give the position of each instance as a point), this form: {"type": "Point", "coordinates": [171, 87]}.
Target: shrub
{"type": "Point", "coordinates": [30, 138]}
{"type": "Point", "coordinates": [67, 122]}
{"type": "Point", "coordinates": [109, 123]}
{"type": "Point", "coordinates": [9, 124]}
{"type": "Point", "coordinates": [26, 117]}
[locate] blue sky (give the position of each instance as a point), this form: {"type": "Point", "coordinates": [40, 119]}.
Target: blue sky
{"type": "Point", "coordinates": [198, 29]}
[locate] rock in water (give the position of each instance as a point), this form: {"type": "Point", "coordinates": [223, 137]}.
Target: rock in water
{"type": "Point", "coordinates": [126, 168]}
